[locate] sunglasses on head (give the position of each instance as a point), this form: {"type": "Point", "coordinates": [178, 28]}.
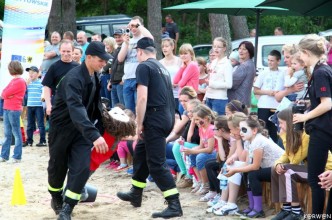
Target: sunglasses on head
{"type": "Point", "coordinates": [244, 130]}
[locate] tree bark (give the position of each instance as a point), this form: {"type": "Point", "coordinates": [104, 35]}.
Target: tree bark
{"type": "Point", "coordinates": [154, 23]}
{"type": "Point", "coordinates": [239, 26]}
{"type": "Point", "coordinates": [220, 27]}
{"type": "Point", "coordinates": [62, 17]}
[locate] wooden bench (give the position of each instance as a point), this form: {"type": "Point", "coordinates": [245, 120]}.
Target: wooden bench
{"type": "Point", "coordinates": [304, 194]}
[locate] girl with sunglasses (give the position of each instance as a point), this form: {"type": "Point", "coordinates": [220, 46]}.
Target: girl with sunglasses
{"type": "Point", "coordinates": [262, 152]}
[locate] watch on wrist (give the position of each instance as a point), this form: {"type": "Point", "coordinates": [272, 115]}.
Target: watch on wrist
{"type": "Point", "coordinates": [137, 25]}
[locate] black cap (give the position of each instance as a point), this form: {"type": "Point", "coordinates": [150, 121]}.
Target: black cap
{"type": "Point", "coordinates": [118, 32]}
{"type": "Point", "coordinates": [33, 68]}
{"type": "Point", "coordinates": [97, 48]}
{"type": "Point", "coordinates": [144, 43]}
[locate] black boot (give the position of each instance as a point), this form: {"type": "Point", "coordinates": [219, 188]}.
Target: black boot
{"type": "Point", "coordinates": [57, 202]}
{"type": "Point", "coordinates": [134, 196]}
{"type": "Point", "coordinates": [65, 213]}
{"type": "Point", "coordinates": [173, 210]}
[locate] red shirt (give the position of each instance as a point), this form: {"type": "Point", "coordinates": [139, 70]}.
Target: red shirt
{"type": "Point", "coordinates": [13, 94]}
{"type": "Point", "coordinates": [187, 76]}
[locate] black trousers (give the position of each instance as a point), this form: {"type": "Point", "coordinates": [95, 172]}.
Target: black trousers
{"type": "Point", "coordinates": [264, 114]}
{"type": "Point", "coordinates": [150, 153]}
{"type": "Point", "coordinates": [255, 179]}
{"type": "Point", "coordinates": [212, 168]}
{"type": "Point", "coordinates": [319, 145]}
{"type": "Point", "coordinates": [69, 152]}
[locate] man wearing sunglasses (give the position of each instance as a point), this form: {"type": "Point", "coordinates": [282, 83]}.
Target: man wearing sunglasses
{"type": "Point", "coordinates": [127, 55]}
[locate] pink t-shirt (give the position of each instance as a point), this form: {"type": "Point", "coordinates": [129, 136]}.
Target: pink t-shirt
{"type": "Point", "coordinates": [13, 94]}
{"type": "Point", "coordinates": [187, 76]}
{"type": "Point", "coordinates": [206, 135]}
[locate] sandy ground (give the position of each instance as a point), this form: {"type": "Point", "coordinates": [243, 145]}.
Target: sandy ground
{"type": "Point", "coordinates": [107, 205]}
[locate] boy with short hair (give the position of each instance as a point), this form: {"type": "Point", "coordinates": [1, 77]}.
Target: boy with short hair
{"type": "Point", "coordinates": [35, 109]}
{"type": "Point", "coordinates": [267, 84]}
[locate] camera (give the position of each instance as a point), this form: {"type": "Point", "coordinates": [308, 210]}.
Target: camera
{"type": "Point", "coordinates": [127, 31]}
{"type": "Point", "coordinates": [298, 109]}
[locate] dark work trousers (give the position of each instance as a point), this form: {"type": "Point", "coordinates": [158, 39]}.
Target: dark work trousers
{"type": "Point", "coordinates": [283, 186]}
{"type": "Point", "coordinates": [212, 168]}
{"type": "Point", "coordinates": [255, 179]}
{"type": "Point", "coordinates": [150, 153]}
{"type": "Point", "coordinates": [319, 145]}
{"type": "Point", "coordinates": [69, 151]}
{"type": "Point", "coordinates": [264, 114]}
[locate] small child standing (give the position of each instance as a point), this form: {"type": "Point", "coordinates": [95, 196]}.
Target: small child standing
{"type": "Point", "coordinates": [202, 77]}
{"type": "Point", "coordinates": [35, 109]}
{"type": "Point", "coordinates": [13, 95]}
{"type": "Point", "coordinates": [299, 73]}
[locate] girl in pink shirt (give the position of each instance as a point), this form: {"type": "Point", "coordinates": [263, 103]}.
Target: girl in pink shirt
{"type": "Point", "coordinates": [13, 96]}
{"type": "Point", "coordinates": [203, 117]}
{"type": "Point", "coordinates": [188, 74]}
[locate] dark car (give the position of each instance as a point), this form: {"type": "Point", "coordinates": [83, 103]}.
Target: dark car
{"type": "Point", "coordinates": [103, 25]}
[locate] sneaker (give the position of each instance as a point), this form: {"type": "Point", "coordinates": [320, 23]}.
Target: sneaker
{"type": "Point", "coordinates": [150, 179]}
{"type": "Point", "coordinates": [293, 216]}
{"type": "Point", "coordinates": [184, 183]}
{"type": "Point", "coordinates": [210, 195]}
{"type": "Point", "coordinates": [197, 187]}
{"type": "Point", "coordinates": [13, 160]}
{"type": "Point", "coordinates": [243, 212]}
{"type": "Point", "coordinates": [2, 159]}
{"type": "Point", "coordinates": [256, 214]}
{"type": "Point", "coordinates": [120, 168]}
{"type": "Point", "coordinates": [130, 171]}
{"type": "Point", "coordinates": [227, 209]}
{"type": "Point", "coordinates": [204, 189]}
{"type": "Point", "coordinates": [213, 201]}
{"type": "Point", "coordinates": [36, 132]}
{"type": "Point", "coordinates": [281, 215]}
{"type": "Point", "coordinates": [27, 144]}
{"type": "Point", "coordinates": [216, 206]}
{"type": "Point", "coordinates": [41, 144]}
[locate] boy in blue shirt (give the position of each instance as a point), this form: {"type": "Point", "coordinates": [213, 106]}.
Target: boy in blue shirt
{"type": "Point", "coordinates": [35, 109]}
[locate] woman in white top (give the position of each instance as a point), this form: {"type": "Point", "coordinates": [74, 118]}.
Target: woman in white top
{"type": "Point", "coordinates": [221, 78]}
{"type": "Point", "coordinates": [172, 63]}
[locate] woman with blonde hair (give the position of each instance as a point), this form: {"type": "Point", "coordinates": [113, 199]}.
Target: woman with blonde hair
{"type": "Point", "coordinates": [172, 63]}
{"type": "Point", "coordinates": [318, 120]}
{"type": "Point", "coordinates": [188, 74]}
{"type": "Point", "coordinates": [220, 79]}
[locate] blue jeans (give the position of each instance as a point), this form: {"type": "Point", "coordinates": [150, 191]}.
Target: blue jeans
{"type": "Point", "coordinates": [198, 160]}
{"type": "Point", "coordinates": [117, 94]}
{"type": "Point", "coordinates": [130, 94]}
{"type": "Point", "coordinates": [103, 83]}
{"type": "Point", "coordinates": [11, 122]}
{"type": "Point", "coordinates": [1, 107]}
{"type": "Point", "coordinates": [36, 113]}
{"type": "Point", "coordinates": [217, 105]}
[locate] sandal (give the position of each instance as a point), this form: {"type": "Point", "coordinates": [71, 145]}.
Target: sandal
{"type": "Point", "coordinates": [256, 214]}
{"type": "Point", "coordinates": [244, 212]}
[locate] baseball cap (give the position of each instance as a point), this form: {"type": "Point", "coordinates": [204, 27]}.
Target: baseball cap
{"type": "Point", "coordinates": [33, 68]}
{"type": "Point", "coordinates": [97, 48]}
{"type": "Point", "coordinates": [118, 32]}
{"type": "Point", "coordinates": [144, 43]}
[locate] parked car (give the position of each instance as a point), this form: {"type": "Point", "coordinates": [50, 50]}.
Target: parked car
{"type": "Point", "coordinates": [265, 45]}
{"type": "Point", "coordinates": [103, 25]}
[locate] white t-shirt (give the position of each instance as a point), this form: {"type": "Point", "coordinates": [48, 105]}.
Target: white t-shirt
{"type": "Point", "coordinates": [269, 80]}
{"type": "Point", "coordinates": [173, 69]}
{"type": "Point", "coordinates": [131, 61]}
{"type": "Point", "coordinates": [271, 151]}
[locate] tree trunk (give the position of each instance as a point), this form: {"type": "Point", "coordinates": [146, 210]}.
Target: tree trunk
{"type": "Point", "coordinates": [154, 23]}
{"type": "Point", "coordinates": [62, 17]}
{"type": "Point", "coordinates": [198, 24]}
{"type": "Point", "coordinates": [220, 27]}
{"type": "Point", "coordinates": [239, 27]}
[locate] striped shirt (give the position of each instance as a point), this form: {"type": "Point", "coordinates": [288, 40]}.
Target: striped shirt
{"type": "Point", "coordinates": [34, 93]}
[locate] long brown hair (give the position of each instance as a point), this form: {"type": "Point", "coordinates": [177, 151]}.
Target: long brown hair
{"type": "Point", "coordinates": [293, 137]}
{"type": "Point", "coordinates": [221, 123]}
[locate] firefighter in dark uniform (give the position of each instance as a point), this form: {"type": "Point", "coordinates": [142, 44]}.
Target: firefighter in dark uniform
{"type": "Point", "coordinates": [77, 108]}
{"type": "Point", "coordinates": [155, 119]}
